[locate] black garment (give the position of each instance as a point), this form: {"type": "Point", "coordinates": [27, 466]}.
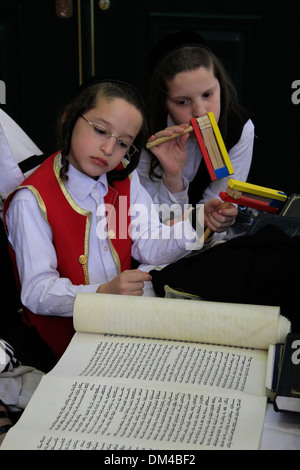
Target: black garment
{"type": "Point", "coordinates": [262, 269]}
{"type": "Point", "coordinates": [10, 301]}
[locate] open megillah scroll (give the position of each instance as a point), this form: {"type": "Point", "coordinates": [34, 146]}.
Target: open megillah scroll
{"type": "Point", "coordinates": [151, 373]}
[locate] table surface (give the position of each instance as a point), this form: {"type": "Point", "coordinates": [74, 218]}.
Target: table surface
{"type": "Point", "coordinates": [281, 431]}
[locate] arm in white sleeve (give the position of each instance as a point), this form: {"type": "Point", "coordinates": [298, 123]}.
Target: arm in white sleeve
{"type": "Point", "coordinates": [240, 156]}
{"type": "Point", "coordinates": [157, 190]}
{"type": "Point", "coordinates": [43, 291]}
{"type": "Point", "coordinates": [154, 242]}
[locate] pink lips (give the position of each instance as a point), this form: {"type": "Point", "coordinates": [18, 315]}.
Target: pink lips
{"type": "Point", "coordinates": [100, 161]}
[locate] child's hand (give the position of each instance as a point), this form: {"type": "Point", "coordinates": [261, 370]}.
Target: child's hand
{"type": "Point", "coordinates": [217, 219]}
{"type": "Point", "coordinates": [172, 156]}
{"type": "Point", "coordinates": [127, 283]}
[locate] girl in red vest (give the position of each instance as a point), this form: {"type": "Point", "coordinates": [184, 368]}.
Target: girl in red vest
{"type": "Point", "coordinates": [76, 222]}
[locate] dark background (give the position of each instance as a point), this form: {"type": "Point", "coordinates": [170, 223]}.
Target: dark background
{"type": "Point", "coordinates": [43, 58]}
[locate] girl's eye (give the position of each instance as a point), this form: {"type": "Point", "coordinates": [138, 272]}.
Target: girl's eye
{"type": "Point", "coordinates": [99, 130]}
{"type": "Point", "coordinates": [123, 144]}
{"type": "Point", "coordinates": [182, 102]}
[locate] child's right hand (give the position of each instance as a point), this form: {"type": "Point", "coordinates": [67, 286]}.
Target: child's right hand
{"type": "Point", "coordinates": [126, 283]}
{"type": "Point", "coordinates": [172, 156]}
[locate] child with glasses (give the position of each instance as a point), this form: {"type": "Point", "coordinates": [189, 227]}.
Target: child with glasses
{"type": "Point", "coordinates": [76, 222]}
{"type": "Point", "coordinates": [188, 81]}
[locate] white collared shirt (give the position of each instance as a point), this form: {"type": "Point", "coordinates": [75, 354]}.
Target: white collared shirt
{"type": "Point", "coordinates": [43, 290]}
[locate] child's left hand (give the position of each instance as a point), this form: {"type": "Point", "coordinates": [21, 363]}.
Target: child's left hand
{"type": "Point", "coordinates": [217, 219]}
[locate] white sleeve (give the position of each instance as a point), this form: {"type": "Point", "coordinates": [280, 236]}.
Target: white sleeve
{"type": "Point", "coordinates": [157, 190]}
{"type": "Point", "coordinates": [153, 242]}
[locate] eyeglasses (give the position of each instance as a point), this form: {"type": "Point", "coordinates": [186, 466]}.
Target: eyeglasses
{"type": "Point", "coordinates": [126, 147]}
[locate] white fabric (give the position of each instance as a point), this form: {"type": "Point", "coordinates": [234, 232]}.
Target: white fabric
{"type": "Point", "coordinates": [17, 382]}
{"type": "Point", "coordinates": [43, 291]}
{"type": "Point", "coordinates": [15, 146]}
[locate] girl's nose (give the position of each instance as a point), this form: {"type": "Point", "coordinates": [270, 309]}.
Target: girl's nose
{"type": "Point", "coordinates": [198, 109]}
{"type": "Point", "coordinates": [108, 145]}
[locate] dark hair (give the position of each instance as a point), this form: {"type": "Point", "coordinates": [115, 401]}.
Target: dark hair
{"type": "Point", "coordinates": [85, 99]}
{"type": "Point", "coordinates": [183, 59]}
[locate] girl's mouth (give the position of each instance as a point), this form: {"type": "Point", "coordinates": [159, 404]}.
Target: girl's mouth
{"type": "Point", "coordinates": [100, 161]}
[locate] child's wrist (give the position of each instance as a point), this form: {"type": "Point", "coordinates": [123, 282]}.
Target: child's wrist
{"type": "Point", "coordinates": [174, 184]}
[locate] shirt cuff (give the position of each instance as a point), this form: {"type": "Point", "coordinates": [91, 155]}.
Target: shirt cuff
{"type": "Point", "coordinates": [176, 198]}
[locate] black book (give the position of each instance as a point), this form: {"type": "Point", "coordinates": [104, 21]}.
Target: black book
{"type": "Point", "coordinates": [287, 396]}
{"type": "Point", "coordinates": [287, 219]}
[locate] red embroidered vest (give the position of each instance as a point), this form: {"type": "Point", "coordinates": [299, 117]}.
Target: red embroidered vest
{"type": "Point", "coordinates": [70, 226]}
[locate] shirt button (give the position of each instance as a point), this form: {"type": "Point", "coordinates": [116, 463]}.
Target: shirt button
{"type": "Point", "coordinates": [105, 248]}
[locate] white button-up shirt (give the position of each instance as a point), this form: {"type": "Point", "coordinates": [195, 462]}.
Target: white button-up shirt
{"type": "Point", "coordinates": [43, 290]}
